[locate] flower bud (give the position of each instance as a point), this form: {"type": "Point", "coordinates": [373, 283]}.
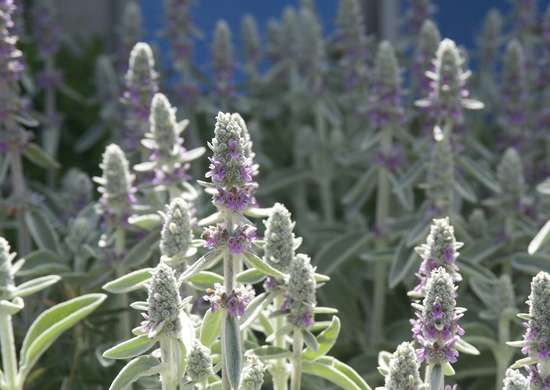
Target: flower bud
{"type": "Point", "coordinates": [164, 302]}
{"type": "Point", "coordinates": [253, 373]}
{"type": "Point", "coordinates": [280, 241]}
{"type": "Point", "coordinates": [385, 100]}
{"type": "Point", "coordinates": [301, 298]}
{"type": "Point", "coordinates": [436, 329]}
{"type": "Point", "coordinates": [7, 284]}
{"type": "Point", "coordinates": [199, 365]}
{"type": "Point", "coordinates": [164, 128]}
{"type": "Point", "coordinates": [440, 250]}
{"type": "Point", "coordinates": [116, 183]}
{"type": "Point", "coordinates": [176, 234]}
{"type": "Point", "coordinates": [515, 380]}
{"type": "Point", "coordinates": [141, 86]}
{"type": "Point", "coordinates": [403, 369]}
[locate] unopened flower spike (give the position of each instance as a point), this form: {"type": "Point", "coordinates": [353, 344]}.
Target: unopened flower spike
{"type": "Point", "coordinates": [253, 373]}
{"type": "Point", "coordinates": [311, 49]}
{"type": "Point", "coordinates": [489, 41]}
{"type": "Point", "coordinates": [141, 86]}
{"type": "Point", "coordinates": [231, 167]}
{"type": "Point", "coordinates": [426, 46]}
{"type": "Point", "coordinates": [514, 92]}
{"type": "Point", "coordinates": [403, 369]}
{"type": "Point", "coordinates": [515, 380]}
{"type": "Point", "coordinates": [235, 302]}
{"type": "Point", "coordinates": [7, 284]}
{"type": "Point", "coordinates": [440, 176]}
{"type": "Point", "coordinates": [280, 240]}
{"type": "Point", "coordinates": [180, 30]}
{"type": "Point", "coordinates": [164, 303]}
{"type": "Point", "coordinates": [448, 96]}
{"type": "Point", "coordinates": [301, 297]}
{"type": "Point", "coordinates": [439, 250]}
{"type": "Point", "coordinates": [177, 233]}
{"type": "Point", "coordinates": [129, 32]}
{"type": "Point", "coordinates": [223, 61]}
{"type": "Point", "coordinates": [251, 43]}
{"type": "Point", "coordinates": [419, 12]}
{"type": "Point", "coordinates": [351, 40]}
{"type": "Point", "coordinates": [116, 183]}
{"type": "Point", "coordinates": [385, 105]}
{"type": "Point", "coordinates": [199, 365]}
{"type": "Point", "coordinates": [511, 178]}
{"type": "Point", "coordinates": [436, 329]}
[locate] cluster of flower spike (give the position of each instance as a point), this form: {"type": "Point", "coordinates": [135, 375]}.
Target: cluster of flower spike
{"type": "Point", "coordinates": [199, 365]}
{"type": "Point", "coordinates": [440, 250]}
{"type": "Point", "coordinates": [440, 176]}
{"type": "Point", "coordinates": [237, 241]}
{"type": "Point", "coordinates": [436, 329]}
{"type": "Point", "coordinates": [141, 86]}
{"type": "Point", "coordinates": [448, 96]}
{"type": "Point", "coordinates": [301, 298]}
{"type": "Point", "coordinates": [177, 234]}
{"type": "Point", "coordinates": [280, 241]}
{"type": "Point", "coordinates": [253, 373]}
{"type": "Point", "coordinates": [232, 169]}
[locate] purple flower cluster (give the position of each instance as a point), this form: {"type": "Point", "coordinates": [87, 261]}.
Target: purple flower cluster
{"type": "Point", "coordinates": [436, 329]}
{"type": "Point", "coordinates": [237, 242]}
{"type": "Point", "coordinates": [232, 169]}
{"type": "Point", "coordinates": [440, 250]}
{"type": "Point", "coordinates": [11, 59]}
{"type": "Point", "coordinates": [46, 28]}
{"type": "Point", "coordinates": [448, 95]}
{"type": "Point", "coordinates": [385, 98]}
{"type": "Point", "coordinates": [235, 303]}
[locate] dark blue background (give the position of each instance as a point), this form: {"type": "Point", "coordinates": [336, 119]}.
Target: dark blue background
{"type": "Point", "coordinates": [458, 20]}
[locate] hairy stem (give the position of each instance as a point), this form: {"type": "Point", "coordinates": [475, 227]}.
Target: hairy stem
{"type": "Point", "coordinates": [229, 285]}
{"type": "Point", "coordinates": [20, 192]}
{"type": "Point", "coordinates": [9, 357]}
{"type": "Point", "coordinates": [505, 355]}
{"type": "Point", "coordinates": [278, 371]}
{"type": "Point", "coordinates": [170, 375]}
{"type": "Point", "coordinates": [297, 347]}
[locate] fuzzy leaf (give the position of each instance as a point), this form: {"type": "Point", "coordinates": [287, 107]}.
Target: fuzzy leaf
{"type": "Point", "coordinates": [129, 282]}
{"type": "Point", "coordinates": [38, 156]}
{"type": "Point", "coordinates": [42, 231]}
{"type": "Point", "coordinates": [52, 323]}
{"type": "Point", "coordinates": [205, 279]}
{"type": "Point", "coordinates": [255, 262]}
{"type": "Point", "coordinates": [135, 369]}
{"type": "Point", "coordinates": [267, 352]}
{"type": "Point", "coordinates": [336, 372]}
{"type": "Point", "coordinates": [210, 328]}
{"type": "Point", "coordinates": [436, 378]}
{"type": "Point", "coordinates": [209, 260]}
{"type": "Point", "coordinates": [465, 347]}
{"type": "Point", "coordinates": [232, 350]}
{"type": "Point", "coordinates": [142, 251]}
{"type": "Point", "coordinates": [325, 340]}
{"type": "Point", "coordinates": [35, 285]}
{"type": "Point", "coordinates": [542, 237]}
{"type": "Point", "coordinates": [42, 262]}
{"type": "Point", "coordinates": [146, 222]}
{"type": "Point", "coordinates": [130, 348]}
{"type": "Point", "coordinates": [250, 276]}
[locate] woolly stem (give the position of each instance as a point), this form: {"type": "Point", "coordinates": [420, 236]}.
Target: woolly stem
{"type": "Point", "coordinates": [229, 286]}
{"type": "Point", "coordinates": [170, 357]}
{"type": "Point", "coordinates": [504, 355]}
{"type": "Point", "coordinates": [279, 372]}
{"type": "Point", "coordinates": [9, 357]}
{"type": "Point", "coordinates": [297, 347]}
{"type": "Point", "coordinates": [380, 268]}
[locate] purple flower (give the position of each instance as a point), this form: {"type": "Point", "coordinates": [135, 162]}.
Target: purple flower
{"type": "Point", "coordinates": [237, 242]}
{"type": "Point", "coordinates": [235, 302]}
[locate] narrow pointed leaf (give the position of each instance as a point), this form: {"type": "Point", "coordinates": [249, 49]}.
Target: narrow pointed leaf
{"type": "Point", "coordinates": [135, 369]}
{"type": "Point", "coordinates": [325, 340]}
{"type": "Point", "coordinates": [232, 351]}
{"type": "Point", "coordinates": [35, 285]}
{"type": "Point", "coordinates": [254, 261]}
{"type": "Point", "coordinates": [130, 348]}
{"type": "Point", "coordinates": [42, 231]}
{"type": "Point", "coordinates": [130, 282]}
{"type": "Point", "coordinates": [210, 328]}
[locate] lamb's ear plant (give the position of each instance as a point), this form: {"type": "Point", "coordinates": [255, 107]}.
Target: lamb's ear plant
{"type": "Point", "coordinates": [401, 369]}
{"type": "Point", "coordinates": [43, 331]}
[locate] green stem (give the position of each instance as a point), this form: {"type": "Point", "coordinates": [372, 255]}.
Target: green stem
{"type": "Point", "coordinates": [504, 356]}
{"type": "Point", "coordinates": [279, 372]}
{"type": "Point", "coordinates": [9, 357]}
{"type": "Point", "coordinates": [297, 347]}
{"type": "Point", "coordinates": [20, 192]}
{"type": "Point", "coordinates": [326, 198]}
